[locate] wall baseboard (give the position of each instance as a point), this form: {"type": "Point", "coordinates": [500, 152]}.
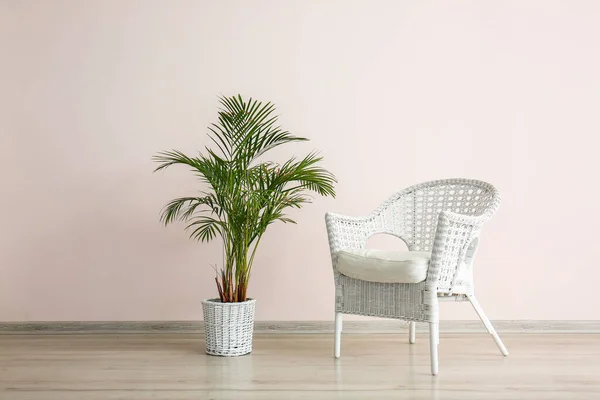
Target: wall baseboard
{"type": "Point", "coordinates": [373, 326]}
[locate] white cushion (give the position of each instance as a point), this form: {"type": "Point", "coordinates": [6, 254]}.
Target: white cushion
{"type": "Point", "coordinates": [385, 266]}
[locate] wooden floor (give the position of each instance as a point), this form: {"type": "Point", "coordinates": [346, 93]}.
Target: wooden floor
{"type": "Point", "coordinates": [174, 367]}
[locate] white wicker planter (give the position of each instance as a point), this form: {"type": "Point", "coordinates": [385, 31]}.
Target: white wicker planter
{"type": "Point", "coordinates": [229, 327]}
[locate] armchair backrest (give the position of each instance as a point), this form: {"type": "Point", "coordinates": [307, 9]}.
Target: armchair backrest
{"type": "Point", "coordinates": [413, 213]}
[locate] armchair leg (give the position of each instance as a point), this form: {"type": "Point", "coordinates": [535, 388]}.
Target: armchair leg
{"type": "Point", "coordinates": [337, 335]}
{"type": "Point", "coordinates": [433, 346]}
{"type": "Point", "coordinates": [412, 328]}
{"type": "Point", "coordinates": [488, 325]}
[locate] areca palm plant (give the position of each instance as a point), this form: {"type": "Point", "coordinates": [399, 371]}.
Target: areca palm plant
{"type": "Point", "coordinates": [243, 192]}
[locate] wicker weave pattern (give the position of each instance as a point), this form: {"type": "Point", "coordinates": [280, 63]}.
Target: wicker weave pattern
{"type": "Point", "coordinates": [444, 217]}
{"type": "Point", "coordinates": [229, 327]}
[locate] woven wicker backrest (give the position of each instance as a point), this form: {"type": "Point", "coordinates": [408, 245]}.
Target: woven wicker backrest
{"type": "Point", "coordinates": [412, 214]}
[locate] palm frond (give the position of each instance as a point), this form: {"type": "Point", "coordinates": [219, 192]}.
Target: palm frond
{"type": "Point", "coordinates": [205, 228]}
{"type": "Point", "coordinates": [168, 158]}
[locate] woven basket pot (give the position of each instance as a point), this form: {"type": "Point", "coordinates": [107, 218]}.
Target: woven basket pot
{"type": "Point", "coordinates": [229, 327]}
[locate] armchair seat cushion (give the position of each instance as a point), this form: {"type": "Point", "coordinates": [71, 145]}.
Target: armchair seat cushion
{"type": "Point", "coordinates": [384, 266]}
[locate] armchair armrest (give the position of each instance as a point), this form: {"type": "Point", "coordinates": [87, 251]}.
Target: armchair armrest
{"type": "Point", "coordinates": [453, 237]}
{"type": "Point", "coordinates": [347, 233]}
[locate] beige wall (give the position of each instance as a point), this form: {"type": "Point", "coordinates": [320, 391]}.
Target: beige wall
{"type": "Point", "coordinates": [391, 92]}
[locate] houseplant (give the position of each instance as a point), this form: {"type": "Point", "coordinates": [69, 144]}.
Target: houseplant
{"type": "Point", "coordinates": [243, 194]}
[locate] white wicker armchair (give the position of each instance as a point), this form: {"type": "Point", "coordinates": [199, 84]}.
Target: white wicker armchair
{"type": "Point", "coordinates": [439, 220]}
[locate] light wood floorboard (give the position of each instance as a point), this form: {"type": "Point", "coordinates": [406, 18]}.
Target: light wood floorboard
{"type": "Point", "coordinates": [174, 367]}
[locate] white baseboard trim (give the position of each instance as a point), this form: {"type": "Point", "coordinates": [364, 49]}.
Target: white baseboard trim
{"type": "Point", "coordinates": [290, 327]}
